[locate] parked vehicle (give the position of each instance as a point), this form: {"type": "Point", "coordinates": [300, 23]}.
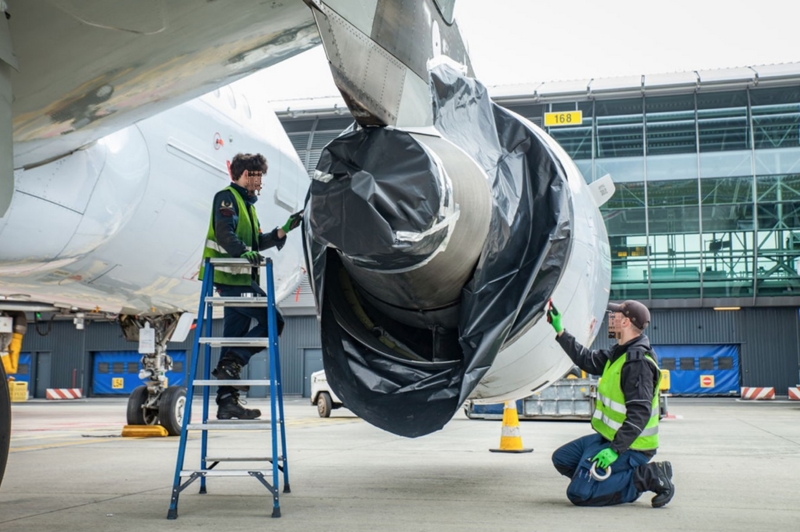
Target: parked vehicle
{"type": "Point", "coordinates": [322, 395]}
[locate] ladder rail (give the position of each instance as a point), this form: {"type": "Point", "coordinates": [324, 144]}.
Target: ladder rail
{"type": "Point", "coordinates": [272, 325]}
{"type": "Point", "coordinates": [209, 324]}
{"type": "Point", "coordinates": [187, 410]}
{"type": "Point", "coordinates": [275, 369]}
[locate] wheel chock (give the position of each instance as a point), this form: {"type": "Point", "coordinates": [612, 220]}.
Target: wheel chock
{"type": "Point", "coordinates": [144, 431]}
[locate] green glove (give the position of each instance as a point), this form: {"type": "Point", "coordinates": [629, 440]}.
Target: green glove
{"type": "Point", "coordinates": [554, 317]}
{"type": "Point", "coordinates": [293, 221]}
{"type": "Point", "coordinates": [605, 458]}
{"type": "Point", "coordinates": [252, 257]}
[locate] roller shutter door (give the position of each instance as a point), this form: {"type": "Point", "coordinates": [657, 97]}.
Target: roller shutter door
{"type": "Point", "coordinates": [701, 369]}
{"type": "Point", "coordinates": [117, 372]}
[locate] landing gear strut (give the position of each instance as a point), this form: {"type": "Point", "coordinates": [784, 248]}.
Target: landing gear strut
{"type": "Point", "coordinates": [155, 402]}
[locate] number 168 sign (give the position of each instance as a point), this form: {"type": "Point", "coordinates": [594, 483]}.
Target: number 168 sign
{"type": "Point", "coordinates": [566, 118]}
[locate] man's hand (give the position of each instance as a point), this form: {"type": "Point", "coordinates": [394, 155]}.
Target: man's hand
{"type": "Point", "coordinates": [605, 458]}
{"type": "Point", "coordinates": [554, 317]}
{"type": "Point", "coordinates": [293, 221]}
{"type": "Point", "coordinates": [252, 257]}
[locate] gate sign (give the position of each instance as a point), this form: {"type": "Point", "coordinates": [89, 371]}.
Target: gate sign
{"type": "Point", "coordinates": [117, 383]}
{"type": "Point", "coordinates": [706, 381]}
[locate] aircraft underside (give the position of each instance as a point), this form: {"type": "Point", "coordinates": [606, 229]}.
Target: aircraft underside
{"type": "Point", "coordinates": [436, 228]}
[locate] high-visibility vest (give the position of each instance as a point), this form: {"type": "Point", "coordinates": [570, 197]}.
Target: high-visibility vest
{"type": "Point", "coordinates": [232, 274]}
{"type": "Point", "coordinates": [610, 410]}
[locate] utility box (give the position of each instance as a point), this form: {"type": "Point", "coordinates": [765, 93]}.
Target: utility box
{"type": "Point", "coordinates": [664, 384]}
{"type": "Point", "coordinates": [18, 390]}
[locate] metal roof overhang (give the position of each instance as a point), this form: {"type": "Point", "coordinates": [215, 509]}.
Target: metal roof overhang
{"type": "Point", "coordinates": [712, 80]}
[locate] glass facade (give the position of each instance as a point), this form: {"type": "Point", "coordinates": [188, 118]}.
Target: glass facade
{"type": "Point", "coordinates": [708, 189]}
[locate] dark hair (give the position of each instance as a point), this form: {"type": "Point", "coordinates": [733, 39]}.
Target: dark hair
{"type": "Point", "coordinates": [247, 161]}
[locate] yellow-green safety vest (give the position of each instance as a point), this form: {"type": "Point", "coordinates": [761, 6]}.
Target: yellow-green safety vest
{"type": "Point", "coordinates": [610, 410]}
{"type": "Point", "coordinates": [232, 274]}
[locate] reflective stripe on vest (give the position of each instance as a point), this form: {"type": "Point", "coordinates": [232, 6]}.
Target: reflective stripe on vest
{"type": "Point", "coordinates": [610, 409]}
{"type": "Point", "coordinates": [232, 274]}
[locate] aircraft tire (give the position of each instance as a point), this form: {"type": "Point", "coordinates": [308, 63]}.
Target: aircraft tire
{"type": "Point", "coordinates": [171, 409]}
{"type": "Point", "coordinates": [324, 404]}
{"type": "Point", "coordinates": [136, 415]}
{"type": "Point", "coordinates": [5, 422]}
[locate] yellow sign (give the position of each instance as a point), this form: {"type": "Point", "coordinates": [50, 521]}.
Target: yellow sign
{"type": "Point", "coordinates": [565, 118]}
{"type": "Point", "coordinates": [706, 381]}
{"type": "Point", "coordinates": [117, 383]}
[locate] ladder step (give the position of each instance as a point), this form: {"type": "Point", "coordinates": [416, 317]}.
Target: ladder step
{"type": "Point", "coordinates": [224, 473]}
{"type": "Point", "coordinates": [230, 382]}
{"type": "Point", "coordinates": [232, 424]}
{"type": "Point", "coordinates": [235, 342]}
{"type": "Point", "coordinates": [241, 459]}
{"type": "Point", "coordinates": [237, 301]}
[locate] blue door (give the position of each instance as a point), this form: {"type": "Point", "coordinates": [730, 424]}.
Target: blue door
{"type": "Point", "coordinates": [701, 369]}
{"type": "Point", "coordinates": [117, 372]}
{"type": "Point", "coordinates": [23, 373]}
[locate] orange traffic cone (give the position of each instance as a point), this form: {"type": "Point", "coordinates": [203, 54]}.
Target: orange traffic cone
{"type": "Point", "coordinates": [510, 438]}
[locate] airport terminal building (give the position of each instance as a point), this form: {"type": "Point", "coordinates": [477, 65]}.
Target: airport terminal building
{"type": "Point", "coordinates": [704, 226]}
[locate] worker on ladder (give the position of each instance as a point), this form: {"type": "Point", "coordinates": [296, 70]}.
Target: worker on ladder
{"type": "Point", "coordinates": [234, 232]}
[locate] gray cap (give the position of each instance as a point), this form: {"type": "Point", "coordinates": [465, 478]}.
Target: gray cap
{"type": "Point", "coordinates": [635, 311]}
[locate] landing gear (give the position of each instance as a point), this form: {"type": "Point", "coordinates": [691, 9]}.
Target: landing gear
{"type": "Point", "coordinates": [155, 403]}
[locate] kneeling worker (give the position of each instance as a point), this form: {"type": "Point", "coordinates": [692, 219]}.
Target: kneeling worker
{"type": "Point", "coordinates": [625, 418]}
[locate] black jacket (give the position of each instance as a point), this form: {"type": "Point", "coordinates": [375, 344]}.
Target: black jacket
{"type": "Point", "coordinates": [639, 381]}
{"type": "Point", "coordinates": [226, 217]}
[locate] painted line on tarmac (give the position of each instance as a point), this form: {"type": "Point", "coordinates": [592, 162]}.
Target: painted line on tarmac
{"type": "Point", "coordinates": [89, 439]}
{"type": "Point", "coordinates": [50, 434]}
{"type": "Point", "coordinates": [46, 446]}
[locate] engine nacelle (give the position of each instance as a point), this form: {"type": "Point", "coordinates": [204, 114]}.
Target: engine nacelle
{"type": "Point", "coordinates": [433, 254]}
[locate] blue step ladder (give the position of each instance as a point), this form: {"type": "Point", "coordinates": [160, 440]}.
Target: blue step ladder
{"type": "Point", "coordinates": [277, 460]}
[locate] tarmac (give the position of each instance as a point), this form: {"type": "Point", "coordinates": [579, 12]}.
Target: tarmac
{"type": "Point", "coordinates": [736, 467]}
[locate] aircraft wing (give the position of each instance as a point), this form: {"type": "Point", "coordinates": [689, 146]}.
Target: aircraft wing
{"type": "Point", "coordinates": [87, 68]}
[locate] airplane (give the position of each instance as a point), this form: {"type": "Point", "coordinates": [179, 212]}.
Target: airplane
{"type": "Point", "coordinates": [87, 79]}
{"type": "Point", "coordinates": [118, 227]}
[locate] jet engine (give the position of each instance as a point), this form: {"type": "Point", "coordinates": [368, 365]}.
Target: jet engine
{"type": "Point", "coordinates": [433, 252]}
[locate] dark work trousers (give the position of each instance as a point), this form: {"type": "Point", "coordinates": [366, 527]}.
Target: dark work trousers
{"type": "Point", "coordinates": [237, 323]}
{"type": "Point", "coordinates": [573, 460]}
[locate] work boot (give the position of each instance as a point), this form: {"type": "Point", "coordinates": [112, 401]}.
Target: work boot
{"type": "Point", "coordinates": [229, 369]}
{"type": "Point", "coordinates": [656, 477]}
{"type": "Point", "coordinates": [230, 407]}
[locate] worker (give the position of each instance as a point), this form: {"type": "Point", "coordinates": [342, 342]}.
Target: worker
{"type": "Point", "coordinates": [234, 231]}
{"type": "Point", "coordinates": [10, 357]}
{"type": "Point", "coordinates": [625, 419]}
